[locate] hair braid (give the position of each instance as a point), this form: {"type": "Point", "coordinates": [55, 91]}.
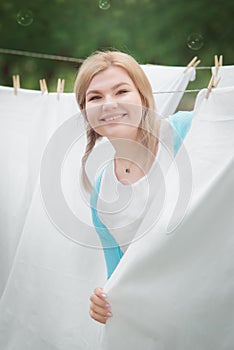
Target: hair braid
{"type": "Point", "coordinates": [92, 137]}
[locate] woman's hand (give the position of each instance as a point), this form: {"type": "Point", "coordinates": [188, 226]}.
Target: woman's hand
{"type": "Point", "coordinates": [100, 309]}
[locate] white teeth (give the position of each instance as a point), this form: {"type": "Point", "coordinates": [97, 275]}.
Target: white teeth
{"type": "Point", "coordinates": [113, 118]}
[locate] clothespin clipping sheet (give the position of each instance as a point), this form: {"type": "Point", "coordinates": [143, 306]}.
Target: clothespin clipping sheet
{"type": "Point", "coordinates": [226, 73]}
{"type": "Point", "coordinates": [43, 86]}
{"type": "Point", "coordinates": [212, 84]}
{"type": "Point", "coordinates": [215, 79]}
{"type": "Point", "coordinates": [168, 85]}
{"type": "Point", "coordinates": [16, 83]}
{"type": "Point", "coordinates": [218, 63]}
{"type": "Point", "coordinates": [60, 87]}
{"type": "Point", "coordinates": [193, 63]}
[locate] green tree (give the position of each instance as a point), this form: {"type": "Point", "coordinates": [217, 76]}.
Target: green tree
{"type": "Point", "coordinates": [152, 31]}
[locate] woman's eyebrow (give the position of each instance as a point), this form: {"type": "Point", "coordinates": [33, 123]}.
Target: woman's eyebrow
{"type": "Point", "coordinates": [113, 88]}
{"type": "Point", "coordinates": [119, 84]}
{"type": "Point", "coordinates": [93, 92]}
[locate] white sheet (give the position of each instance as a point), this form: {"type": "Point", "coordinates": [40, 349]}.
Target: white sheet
{"type": "Point", "coordinates": [166, 78]}
{"type": "Point", "coordinates": [27, 121]}
{"type": "Point", "coordinates": [226, 73]}
{"type": "Point", "coordinates": [173, 289]}
{"type": "Point", "coordinates": [45, 303]}
{"type": "Point", "coordinates": [169, 287]}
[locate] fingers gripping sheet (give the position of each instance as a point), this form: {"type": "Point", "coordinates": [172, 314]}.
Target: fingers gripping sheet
{"type": "Point", "coordinates": [174, 287]}
{"type": "Point", "coordinates": [173, 80]}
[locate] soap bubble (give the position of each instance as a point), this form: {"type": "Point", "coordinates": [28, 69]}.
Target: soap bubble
{"type": "Point", "coordinates": [104, 4]}
{"type": "Point", "coordinates": [195, 41]}
{"type": "Point", "coordinates": [25, 17]}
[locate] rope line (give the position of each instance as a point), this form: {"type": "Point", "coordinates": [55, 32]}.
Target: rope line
{"type": "Point", "coordinates": [41, 55]}
{"type": "Point", "coordinates": [54, 57]}
{"type": "Point", "coordinates": [175, 91]}
{"type": "Point", "coordinates": [80, 60]}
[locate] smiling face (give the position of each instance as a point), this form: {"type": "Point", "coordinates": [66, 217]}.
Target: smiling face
{"type": "Point", "coordinates": [113, 104]}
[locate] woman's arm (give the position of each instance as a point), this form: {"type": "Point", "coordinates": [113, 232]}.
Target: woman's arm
{"type": "Point", "coordinates": [100, 309]}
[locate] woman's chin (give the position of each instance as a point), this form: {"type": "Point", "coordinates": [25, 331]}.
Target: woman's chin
{"type": "Point", "coordinates": [117, 130]}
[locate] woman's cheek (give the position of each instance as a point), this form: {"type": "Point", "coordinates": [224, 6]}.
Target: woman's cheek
{"type": "Point", "coordinates": [92, 114]}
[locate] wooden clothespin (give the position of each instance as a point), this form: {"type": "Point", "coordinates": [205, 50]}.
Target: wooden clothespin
{"type": "Point", "coordinates": [212, 84]}
{"type": "Point", "coordinates": [218, 63]}
{"type": "Point", "coordinates": [196, 63]}
{"type": "Point", "coordinates": [193, 63]}
{"type": "Point", "coordinates": [16, 83]}
{"type": "Point", "coordinates": [220, 60]}
{"type": "Point", "coordinates": [60, 87]}
{"type": "Point", "coordinates": [43, 86]}
{"type": "Point", "coordinates": [216, 83]}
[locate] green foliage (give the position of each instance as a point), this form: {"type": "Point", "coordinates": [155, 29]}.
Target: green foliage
{"type": "Point", "coordinates": [152, 31]}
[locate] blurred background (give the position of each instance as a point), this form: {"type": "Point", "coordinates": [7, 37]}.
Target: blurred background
{"type": "Point", "coordinates": [165, 32]}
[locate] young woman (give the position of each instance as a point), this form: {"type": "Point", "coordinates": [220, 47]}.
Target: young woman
{"type": "Point", "coordinates": [117, 102]}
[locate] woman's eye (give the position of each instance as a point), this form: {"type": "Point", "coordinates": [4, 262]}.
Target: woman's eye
{"type": "Point", "coordinates": [95, 97]}
{"type": "Point", "coordinates": [122, 91]}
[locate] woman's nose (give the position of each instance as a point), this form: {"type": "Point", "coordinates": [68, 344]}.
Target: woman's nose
{"type": "Point", "coordinates": [109, 103]}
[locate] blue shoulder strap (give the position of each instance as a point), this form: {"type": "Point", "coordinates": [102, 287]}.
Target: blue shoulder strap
{"type": "Point", "coordinates": [181, 122]}
{"type": "Point", "coordinates": [112, 251]}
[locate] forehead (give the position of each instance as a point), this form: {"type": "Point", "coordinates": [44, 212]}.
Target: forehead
{"type": "Point", "coordinates": [110, 77]}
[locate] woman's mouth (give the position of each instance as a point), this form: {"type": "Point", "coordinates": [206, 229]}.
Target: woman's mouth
{"type": "Point", "coordinates": [111, 118]}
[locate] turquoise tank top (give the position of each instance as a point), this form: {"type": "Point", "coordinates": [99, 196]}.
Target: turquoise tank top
{"type": "Point", "coordinates": [181, 122]}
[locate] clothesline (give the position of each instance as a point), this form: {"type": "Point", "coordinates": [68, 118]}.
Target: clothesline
{"type": "Point", "coordinates": [175, 91]}
{"type": "Point", "coordinates": [56, 57]}
{"type": "Point", "coordinates": [40, 55]}
{"type": "Point", "coordinates": [163, 92]}
{"type": "Point", "coordinates": [80, 60]}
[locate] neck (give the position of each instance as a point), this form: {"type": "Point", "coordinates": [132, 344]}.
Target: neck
{"type": "Point", "coordinates": [132, 159]}
{"type": "Point", "coordinates": [125, 148]}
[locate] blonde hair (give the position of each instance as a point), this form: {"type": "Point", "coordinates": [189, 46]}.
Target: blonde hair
{"type": "Point", "coordinates": [98, 62]}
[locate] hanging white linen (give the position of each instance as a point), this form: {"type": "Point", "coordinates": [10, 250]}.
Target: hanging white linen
{"type": "Point", "coordinates": [46, 299]}
{"type": "Point", "coordinates": [174, 287]}
{"type": "Point", "coordinates": [45, 304]}
{"type": "Point", "coordinates": [27, 120]}
{"type": "Point", "coordinates": [166, 78]}
{"type": "Point", "coordinates": [226, 73]}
